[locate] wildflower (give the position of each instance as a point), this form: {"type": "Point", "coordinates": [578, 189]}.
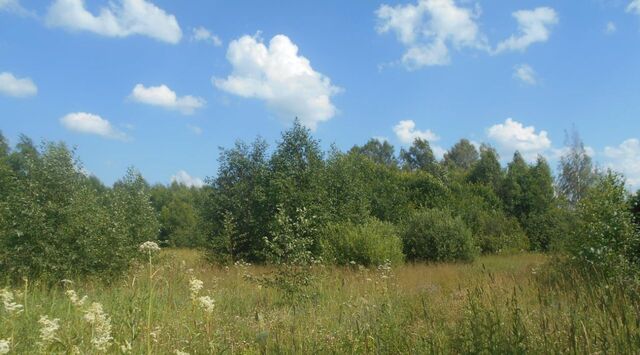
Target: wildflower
{"type": "Point", "coordinates": [126, 347]}
{"type": "Point", "coordinates": [155, 334]}
{"type": "Point", "coordinates": [180, 352]}
{"type": "Point", "coordinates": [149, 247]}
{"type": "Point", "coordinates": [195, 286]}
{"type": "Point", "coordinates": [48, 330]}
{"type": "Point", "coordinates": [73, 297]}
{"type": "Point", "coordinates": [9, 304]}
{"type": "Point", "coordinates": [101, 324]}
{"type": "Point", "coordinates": [207, 303]}
{"type": "Point", "coordinates": [5, 346]}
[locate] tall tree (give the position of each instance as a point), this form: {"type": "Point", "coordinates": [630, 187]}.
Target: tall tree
{"type": "Point", "coordinates": [381, 152]}
{"type": "Point", "coordinates": [576, 170]}
{"type": "Point", "coordinates": [420, 157]}
{"type": "Point", "coordinates": [487, 170]}
{"type": "Point", "coordinates": [462, 155]}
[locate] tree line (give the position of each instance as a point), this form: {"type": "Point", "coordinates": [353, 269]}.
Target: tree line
{"type": "Point", "coordinates": [296, 204]}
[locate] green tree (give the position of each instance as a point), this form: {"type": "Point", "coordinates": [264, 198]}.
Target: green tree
{"type": "Point", "coordinates": [577, 174]}
{"type": "Point", "coordinates": [381, 152]}
{"type": "Point", "coordinates": [463, 155]}
{"type": "Point", "coordinates": [420, 157]}
{"type": "Point", "coordinates": [487, 170]}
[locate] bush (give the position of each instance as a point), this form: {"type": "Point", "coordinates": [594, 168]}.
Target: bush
{"type": "Point", "coordinates": [371, 243]}
{"type": "Point", "coordinates": [605, 238]}
{"type": "Point", "coordinates": [494, 232]}
{"type": "Point", "coordinates": [434, 235]}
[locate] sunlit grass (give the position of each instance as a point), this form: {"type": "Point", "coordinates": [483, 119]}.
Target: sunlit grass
{"type": "Point", "coordinates": [496, 304]}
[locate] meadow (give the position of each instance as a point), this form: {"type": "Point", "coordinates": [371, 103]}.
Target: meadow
{"type": "Point", "coordinates": [497, 304]}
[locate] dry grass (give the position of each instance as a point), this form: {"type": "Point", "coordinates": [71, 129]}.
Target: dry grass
{"type": "Point", "coordinates": [497, 304]}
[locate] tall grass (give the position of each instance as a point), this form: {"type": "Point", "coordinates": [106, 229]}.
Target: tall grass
{"type": "Point", "coordinates": [499, 304]}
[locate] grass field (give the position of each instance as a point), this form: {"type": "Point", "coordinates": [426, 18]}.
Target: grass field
{"type": "Point", "coordinates": [498, 304]}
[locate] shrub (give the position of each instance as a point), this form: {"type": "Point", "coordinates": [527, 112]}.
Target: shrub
{"type": "Point", "coordinates": [605, 238]}
{"type": "Point", "coordinates": [371, 243]}
{"type": "Point", "coordinates": [435, 235]}
{"type": "Point", "coordinates": [494, 232]}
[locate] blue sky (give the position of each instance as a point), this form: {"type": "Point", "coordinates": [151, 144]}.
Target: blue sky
{"type": "Point", "coordinates": [160, 85]}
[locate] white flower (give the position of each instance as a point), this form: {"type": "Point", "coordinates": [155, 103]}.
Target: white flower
{"type": "Point", "coordinates": [101, 323]}
{"type": "Point", "coordinates": [195, 286]}
{"type": "Point", "coordinates": [180, 352]}
{"type": "Point", "coordinates": [126, 347]}
{"type": "Point", "coordinates": [5, 346]}
{"type": "Point", "coordinates": [48, 329]}
{"type": "Point", "coordinates": [9, 304]}
{"type": "Point", "coordinates": [149, 247]}
{"type": "Point", "coordinates": [73, 297]}
{"type": "Point", "coordinates": [207, 303]}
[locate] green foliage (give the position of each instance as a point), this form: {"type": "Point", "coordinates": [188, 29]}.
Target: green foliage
{"type": "Point", "coordinates": [494, 232]}
{"type": "Point", "coordinates": [435, 235]}
{"type": "Point", "coordinates": [178, 215]}
{"type": "Point", "coordinates": [576, 170]}
{"type": "Point", "coordinates": [380, 152]}
{"type": "Point", "coordinates": [605, 238]}
{"type": "Point", "coordinates": [487, 171]}
{"type": "Point", "coordinates": [54, 225]}
{"type": "Point", "coordinates": [292, 239]}
{"type": "Point", "coordinates": [463, 155]}
{"type": "Point", "coordinates": [371, 243]}
{"type": "Point", "coordinates": [420, 157]}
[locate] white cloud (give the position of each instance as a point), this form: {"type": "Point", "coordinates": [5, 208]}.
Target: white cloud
{"type": "Point", "coordinates": [183, 178]}
{"type": "Point", "coordinates": [120, 19]}
{"type": "Point", "coordinates": [513, 135]}
{"type": "Point", "coordinates": [164, 97]}
{"type": "Point", "coordinates": [16, 87]}
{"type": "Point", "coordinates": [14, 6]}
{"type": "Point", "coordinates": [88, 123]}
{"type": "Point", "coordinates": [634, 7]}
{"type": "Point", "coordinates": [610, 28]}
{"type": "Point", "coordinates": [202, 34]}
{"type": "Point", "coordinates": [195, 129]}
{"type": "Point", "coordinates": [625, 158]}
{"type": "Point", "coordinates": [534, 25]}
{"type": "Point", "coordinates": [281, 77]}
{"type": "Point", "coordinates": [428, 28]}
{"type": "Point", "coordinates": [406, 132]}
{"type": "Point", "coordinates": [525, 74]}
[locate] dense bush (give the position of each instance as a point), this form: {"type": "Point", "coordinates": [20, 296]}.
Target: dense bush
{"type": "Point", "coordinates": [494, 232]}
{"type": "Point", "coordinates": [605, 238]}
{"type": "Point", "coordinates": [55, 224]}
{"type": "Point", "coordinates": [371, 243]}
{"type": "Point", "coordinates": [434, 235]}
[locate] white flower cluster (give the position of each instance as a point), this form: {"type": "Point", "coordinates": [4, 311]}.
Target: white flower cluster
{"type": "Point", "coordinates": [195, 286]}
{"type": "Point", "coordinates": [101, 324]}
{"type": "Point", "coordinates": [9, 305]}
{"type": "Point", "coordinates": [180, 352]}
{"type": "Point", "coordinates": [207, 303]}
{"type": "Point", "coordinates": [149, 247]}
{"type": "Point", "coordinates": [48, 330]}
{"type": "Point", "coordinates": [5, 346]}
{"type": "Point", "coordinates": [73, 297]}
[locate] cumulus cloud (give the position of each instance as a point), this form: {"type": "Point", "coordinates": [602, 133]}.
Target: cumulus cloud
{"type": "Point", "coordinates": [428, 28]}
{"type": "Point", "coordinates": [280, 77]}
{"type": "Point", "coordinates": [183, 178]}
{"type": "Point", "coordinates": [406, 132]}
{"type": "Point", "coordinates": [14, 7]}
{"type": "Point", "coordinates": [201, 34]}
{"type": "Point", "coordinates": [16, 87]}
{"type": "Point", "coordinates": [513, 135]}
{"type": "Point", "coordinates": [89, 123]}
{"type": "Point", "coordinates": [525, 74]}
{"type": "Point", "coordinates": [164, 97]}
{"type": "Point", "coordinates": [625, 158]}
{"type": "Point", "coordinates": [534, 27]}
{"type": "Point", "coordinates": [120, 19]}
{"type": "Point", "coordinates": [634, 7]}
